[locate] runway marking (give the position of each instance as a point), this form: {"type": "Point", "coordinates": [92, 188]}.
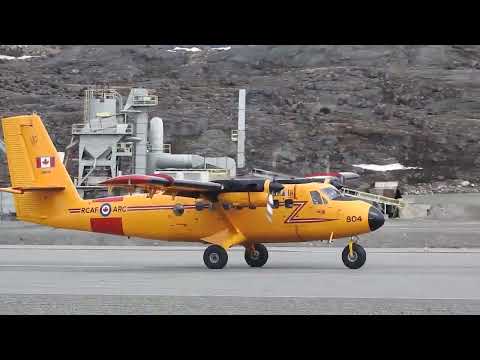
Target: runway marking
{"type": "Point", "coordinates": [61, 266]}
{"type": "Point", "coordinates": [194, 248]}
{"type": "Point", "coordinates": [457, 229]}
{"type": "Point", "coordinates": [319, 297]}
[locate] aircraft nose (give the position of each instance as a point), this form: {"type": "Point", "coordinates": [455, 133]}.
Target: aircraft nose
{"type": "Point", "coordinates": [375, 218]}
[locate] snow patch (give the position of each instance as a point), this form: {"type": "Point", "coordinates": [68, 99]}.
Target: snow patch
{"type": "Point", "coordinates": [390, 167]}
{"type": "Point", "coordinates": [24, 57]}
{"type": "Point", "coordinates": [193, 49]}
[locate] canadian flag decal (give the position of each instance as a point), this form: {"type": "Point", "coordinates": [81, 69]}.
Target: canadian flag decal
{"type": "Point", "coordinates": [44, 162]}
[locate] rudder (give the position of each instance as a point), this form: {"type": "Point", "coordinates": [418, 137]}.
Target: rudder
{"type": "Point", "coordinates": [35, 168]}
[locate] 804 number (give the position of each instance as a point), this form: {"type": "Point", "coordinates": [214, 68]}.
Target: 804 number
{"type": "Point", "coordinates": [354, 218]}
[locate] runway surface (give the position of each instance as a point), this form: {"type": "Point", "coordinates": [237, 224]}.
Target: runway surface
{"type": "Point", "coordinates": [296, 280]}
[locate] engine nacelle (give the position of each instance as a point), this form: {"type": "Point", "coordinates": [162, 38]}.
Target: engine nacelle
{"type": "Point", "coordinates": [244, 199]}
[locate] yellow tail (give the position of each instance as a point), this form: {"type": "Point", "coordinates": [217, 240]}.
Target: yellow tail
{"type": "Point", "coordinates": [40, 182]}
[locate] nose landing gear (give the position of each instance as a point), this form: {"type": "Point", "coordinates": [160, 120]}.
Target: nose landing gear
{"type": "Point", "coordinates": [354, 255]}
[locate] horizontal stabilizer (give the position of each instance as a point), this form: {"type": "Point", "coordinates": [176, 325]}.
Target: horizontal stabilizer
{"type": "Point", "coordinates": [21, 190]}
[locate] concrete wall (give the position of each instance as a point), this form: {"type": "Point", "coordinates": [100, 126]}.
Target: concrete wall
{"type": "Point", "coordinates": [7, 207]}
{"type": "Point", "coordinates": [443, 206]}
{"type": "Point", "coordinates": [415, 211]}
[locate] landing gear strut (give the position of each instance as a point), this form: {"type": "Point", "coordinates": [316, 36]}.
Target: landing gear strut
{"type": "Point", "coordinates": [256, 255]}
{"type": "Point", "coordinates": [354, 255]}
{"type": "Point", "coordinates": [215, 257]}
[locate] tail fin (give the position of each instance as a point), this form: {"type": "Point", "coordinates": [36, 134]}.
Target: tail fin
{"type": "Point", "coordinates": [40, 182]}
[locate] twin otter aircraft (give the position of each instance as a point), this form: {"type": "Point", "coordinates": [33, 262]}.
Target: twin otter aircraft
{"type": "Point", "coordinates": [221, 213]}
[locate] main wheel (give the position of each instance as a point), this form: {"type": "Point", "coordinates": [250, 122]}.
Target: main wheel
{"type": "Point", "coordinates": [358, 258]}
{"type": "Point", "coordinates": [215, 257]}
{"type": "Point", "coordinates": [257, 257]}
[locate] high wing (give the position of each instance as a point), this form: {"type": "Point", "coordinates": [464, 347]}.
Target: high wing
{"type": "Point", "coordinates": [229, 190]}
{"type": "Point", "coordinates": [165, 183]}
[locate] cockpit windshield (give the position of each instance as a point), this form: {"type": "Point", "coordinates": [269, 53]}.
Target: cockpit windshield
{"type": "Point", "coordinates": [332, 193]}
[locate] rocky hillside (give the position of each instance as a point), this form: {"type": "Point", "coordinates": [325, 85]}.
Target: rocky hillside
{"type": "Point", "coordinates": [413, 105]}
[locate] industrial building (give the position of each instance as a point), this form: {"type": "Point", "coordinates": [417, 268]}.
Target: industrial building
{"type": "Point", "coordinates": [118, 137]}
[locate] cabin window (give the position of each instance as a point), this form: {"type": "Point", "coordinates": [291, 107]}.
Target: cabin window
{"type": "Point", "coordinates": [316, 198]}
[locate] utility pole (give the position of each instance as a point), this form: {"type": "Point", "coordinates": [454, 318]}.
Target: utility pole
{"type": "Point", "coordinates": [241, 130]}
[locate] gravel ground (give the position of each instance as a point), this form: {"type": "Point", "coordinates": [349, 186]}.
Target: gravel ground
{"type": "Point", "coordinates": [204, 305]}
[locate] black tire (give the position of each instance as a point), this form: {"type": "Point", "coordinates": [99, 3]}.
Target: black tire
{"type": "Point", "coordinates": [257, 258]}
{"type": "Point", "coordinates": [215, 257]}
{"type": "Point", "coordinates": [359, 257]}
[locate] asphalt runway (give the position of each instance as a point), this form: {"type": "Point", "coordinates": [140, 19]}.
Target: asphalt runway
{"type": "Point", "coordinates": [296, 280]}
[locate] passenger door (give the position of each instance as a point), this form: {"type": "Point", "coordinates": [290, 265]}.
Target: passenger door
{"type": "Point", "coordinates": [312, 217]}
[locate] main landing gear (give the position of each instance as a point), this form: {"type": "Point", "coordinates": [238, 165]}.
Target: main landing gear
{"type": "Point", "coordinates": [256, 255]}
{"type": "Point", "coordinates": [354, 255]}
{"type": "Point", "coordinates": [216, 257]}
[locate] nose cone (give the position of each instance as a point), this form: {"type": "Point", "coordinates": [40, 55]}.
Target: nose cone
{"type": "Point", "coordinates": [375, 218]}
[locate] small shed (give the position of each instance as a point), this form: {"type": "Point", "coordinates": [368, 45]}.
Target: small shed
{"type": "Point", "coordinates": [387, 188]}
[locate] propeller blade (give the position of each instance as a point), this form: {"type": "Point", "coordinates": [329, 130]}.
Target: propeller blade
{"type": "Point", "coordinates": [269, 208]}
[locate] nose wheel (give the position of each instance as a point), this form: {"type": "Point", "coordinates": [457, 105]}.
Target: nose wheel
{"type": "Point", "coordinates": [256, 255]}
{"type": "Point", "coordinates": [354, 255]}
{"type": "Point", "coordinates": [215, 257]}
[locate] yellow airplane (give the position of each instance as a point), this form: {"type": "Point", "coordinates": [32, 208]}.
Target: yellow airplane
{"type": "Point", "coordinates": [222, 213]}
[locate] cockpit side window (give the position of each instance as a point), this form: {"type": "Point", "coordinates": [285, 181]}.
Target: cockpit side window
{"type": "Point", "coordinates": [316, 198]}
{"type": "Point", "coordinates": [332, 194]}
